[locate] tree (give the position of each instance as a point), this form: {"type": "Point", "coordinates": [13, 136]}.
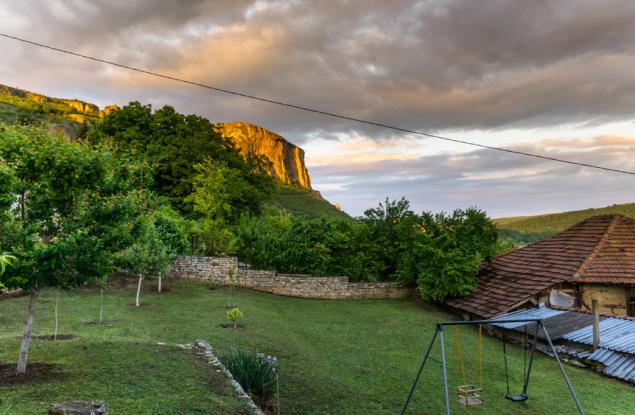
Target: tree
{"type": "Point", "coordinates": [71, 209]}
{"type": "Point", "coordinates": [149, 256]}
{"type": "Point", "coordinates": [448, 251]}
{"type": "Point", "coordinates": [173, 143]}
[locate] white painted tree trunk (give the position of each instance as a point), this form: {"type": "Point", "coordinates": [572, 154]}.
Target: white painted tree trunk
{"type": "Point", "coordinates": [28, 328]}
{"type": "Point", "coordinates": [159, 285]}
{"type": "Point", "coordinates": [101, 305]}
{"type": "Point", "coordinates": [138, 290]}
{"type": "Point", "coordinates": [57, 301]}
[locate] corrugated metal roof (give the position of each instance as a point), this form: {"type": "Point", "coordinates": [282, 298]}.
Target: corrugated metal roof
{"type": "Point", "coordinates": [617, 337]}
{"type": "Point", "coordinates": [619, 365]}
{"type": "Point", "coordinates": [615, 334]}
{"type": "Point", "coordinates": [543, 313]}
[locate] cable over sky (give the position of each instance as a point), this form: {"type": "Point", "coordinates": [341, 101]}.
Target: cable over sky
{"type": "Point", "coordinates": [317, 111]}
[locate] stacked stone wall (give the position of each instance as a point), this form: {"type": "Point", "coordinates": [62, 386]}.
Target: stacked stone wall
{"type": "Point", "coordinates": [219, 269]}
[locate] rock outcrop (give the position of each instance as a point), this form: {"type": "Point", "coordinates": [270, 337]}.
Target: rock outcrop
{"type": "Point", "coordinates": [286, 160]}
{"type": "Point", "coordinates": [71, 109]}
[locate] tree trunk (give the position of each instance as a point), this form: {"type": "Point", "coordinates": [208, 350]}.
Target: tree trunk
{"type": "Point", "coordinates": [159, 286]}
{"type": "Point", "coordinates": [101, 305]}
{"type": "Point", "coordinates": [57, 301]}
{"type": "Point", "coordinates": [28, 328]}
{"type": "Point", "coordinates": [138, 290]}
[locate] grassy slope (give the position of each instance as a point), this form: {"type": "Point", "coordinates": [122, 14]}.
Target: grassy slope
{"type": "Point", "coordinates": [532, 228]}
{"type": "Point", "coordinates": [336, 357]}
{"type": "Point", "coordinates": [303, 203]}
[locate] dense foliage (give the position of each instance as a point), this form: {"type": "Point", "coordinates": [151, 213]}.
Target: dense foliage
{"type": "Point", "coordinates": [180, 148]}
{"type": "Point", "coordinates": [67, 209]}
{"type": "Point", "coordinates": [439, 254]}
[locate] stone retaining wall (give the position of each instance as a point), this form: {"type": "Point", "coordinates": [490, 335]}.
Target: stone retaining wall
{"type": "Point", "coordinates": [218, 269]}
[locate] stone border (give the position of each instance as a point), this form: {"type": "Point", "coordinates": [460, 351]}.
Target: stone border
{"type": "Point", "coordinates": [203, 348]}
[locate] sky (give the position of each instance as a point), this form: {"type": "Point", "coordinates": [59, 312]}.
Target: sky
{"type": "Point", "coordinates": [555, 78]}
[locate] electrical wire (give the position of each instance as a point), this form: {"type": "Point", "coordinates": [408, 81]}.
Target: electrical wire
{"type": "Point", "coordinates": [317, 111]}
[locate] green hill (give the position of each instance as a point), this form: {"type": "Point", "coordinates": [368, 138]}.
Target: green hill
{"type": "Point", "coordinates": [528, 229]}
{"type": "Point", "coordinates": [303, 203]}
{"type": "Point", "coordinates": [18, 106]}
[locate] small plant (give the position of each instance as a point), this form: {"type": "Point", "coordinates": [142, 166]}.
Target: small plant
{"type": "Point", "coordinates": [234, 315]}
{"type": "Point", "coordinates": [212, 285]}
{"type": "Point", "coordinates": [5, 260]}
{"type": "Point", "coordinates": [256, 373]}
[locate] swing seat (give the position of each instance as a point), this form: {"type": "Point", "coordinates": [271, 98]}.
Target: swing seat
{"type": "Point", "coordinates": [517, 398]}
{"type": "Point", "coordinates": [469, 395]}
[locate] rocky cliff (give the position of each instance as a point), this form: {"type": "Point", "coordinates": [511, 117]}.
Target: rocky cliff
{"type": "Point", "coordinates": [70, 109]}
{"type": "Point", "coordinates": [286, 160]}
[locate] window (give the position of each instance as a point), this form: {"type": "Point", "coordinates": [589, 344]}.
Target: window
{"type": "Point", "coordinates": [630, 300]}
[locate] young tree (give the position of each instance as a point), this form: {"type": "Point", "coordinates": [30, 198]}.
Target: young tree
{"type": "Point", "coordinates": [71, 208]}
{"type": "Point", "coordinates": [147, 257]}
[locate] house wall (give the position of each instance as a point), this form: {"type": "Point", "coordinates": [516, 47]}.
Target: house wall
{"type": "Point", "coordinates": [217, 269]}
{"type": "Point", "coordinates": [611, 298]}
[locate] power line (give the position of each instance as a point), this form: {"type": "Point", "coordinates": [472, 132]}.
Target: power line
{"type": "Point", "coordinates": [317, 111]}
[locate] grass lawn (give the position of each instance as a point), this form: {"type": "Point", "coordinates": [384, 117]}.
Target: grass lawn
{"type": "Point", "coordinates": [336, 357]}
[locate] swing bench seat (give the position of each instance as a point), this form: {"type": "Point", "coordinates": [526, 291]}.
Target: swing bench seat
{"type": "Point", "coordinates": [469, 395]}
{"type": "Point", "coordinates": [517, 398]}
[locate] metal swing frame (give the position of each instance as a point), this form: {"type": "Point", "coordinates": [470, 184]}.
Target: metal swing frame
{"type": "Point", "coordinates": [439, 334]}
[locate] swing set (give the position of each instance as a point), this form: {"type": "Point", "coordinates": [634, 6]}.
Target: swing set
{"type": "Point", "coordinates": [470, 393]}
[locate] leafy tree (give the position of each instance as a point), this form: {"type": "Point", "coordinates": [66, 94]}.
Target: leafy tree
{"type": "Point", "coordinates": [221, 192]}
{"type": "Point", "coordinates": [149, 256]}
{"type": "Point", "coordinates": [449, 250]}
{"type": "Point", "coordinates": [70, 209]}
{"type": "Point", "coordinates": [173, 143]}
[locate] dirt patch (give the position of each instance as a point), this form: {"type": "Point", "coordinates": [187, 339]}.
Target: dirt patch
{"type": "Point", "coordinates": [35, 373]}
{"type": "Point", "coordinates": [231, 325]}
{"type": "Point", "coordinates": [50, 337]}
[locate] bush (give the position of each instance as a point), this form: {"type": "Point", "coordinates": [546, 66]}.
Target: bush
{"type": "Point", "coordinates": [234, 315]}
{"type": "Point", "coordinates": [255, 373]}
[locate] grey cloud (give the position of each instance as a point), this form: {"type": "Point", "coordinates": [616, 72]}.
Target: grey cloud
{"type": "Point", "coordinates": [428, 65]}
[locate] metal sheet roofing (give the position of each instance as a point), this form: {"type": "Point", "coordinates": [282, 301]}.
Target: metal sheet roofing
{"type": "Point", "coordinates": [617, 337]}
{"type": "Point", "coordinates": [615, 334]}
{"type": "Point", "coordinates": [543, 313]}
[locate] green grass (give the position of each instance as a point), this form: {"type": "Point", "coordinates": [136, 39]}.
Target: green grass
{"type": "Point", "coordinates": [336, 357]}
{"type": "Point", "coordinates": [527, 229]}
{"type": "Point", "coordinates": [303, 203]}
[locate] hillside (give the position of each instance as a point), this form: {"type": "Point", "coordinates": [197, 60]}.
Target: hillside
{"type": "Point", "coordinates": [303, 203]}
{"type": "Point", "coordinates": [527, 229]}
{"type": "Point", "coordinates": [293, 193]}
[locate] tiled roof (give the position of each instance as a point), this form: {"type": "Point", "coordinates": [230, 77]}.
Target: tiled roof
{"type": "Point", "coordinates": [599, 249]}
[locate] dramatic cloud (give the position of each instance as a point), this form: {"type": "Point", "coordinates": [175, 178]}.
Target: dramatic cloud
{"type": "Point", "coordinates": [499, 183]}
{"type": "Point", "coordinates": [473, 68]}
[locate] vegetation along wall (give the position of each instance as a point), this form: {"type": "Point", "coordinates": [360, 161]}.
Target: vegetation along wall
{"type": "Point", "coordinates": [219, 270]}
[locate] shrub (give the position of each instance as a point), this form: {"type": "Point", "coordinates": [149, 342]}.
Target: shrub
{"type": "Point", "coordinates": [234, 315]}
{"type": "Point", "coordinates": [255, 373]}
{"type": "Point", "coordinates": [212, 285]}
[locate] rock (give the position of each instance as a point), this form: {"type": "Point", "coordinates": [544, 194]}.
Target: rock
{"type": "Point", "coordinates": [77, 408]}
{"type": "Point", "coordinates": [286, 160]}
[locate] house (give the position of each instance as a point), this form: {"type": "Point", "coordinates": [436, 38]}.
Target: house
{"type": "Point", "coordinates": [594, 259]}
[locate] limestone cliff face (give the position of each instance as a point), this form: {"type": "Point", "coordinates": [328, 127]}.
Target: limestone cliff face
{"type": "Point", "coordinates": [286, 160]}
